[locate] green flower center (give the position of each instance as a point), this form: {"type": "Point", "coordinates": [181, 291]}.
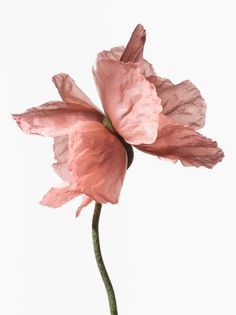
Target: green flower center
{"type": "Point", "coordinates": [129, 149]}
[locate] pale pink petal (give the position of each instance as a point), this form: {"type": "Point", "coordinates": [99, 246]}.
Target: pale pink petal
{"type": "Point", "coordinates": [129, 100]}
{"type": "Point", "coordinates": [71, 93]}
{"type": "Point", "coordinates": [147, 68]}
{"type": "Point", "coordinates": [160, 83]}
{"type": "Point", "coordinates": [85, 201]}
{"type": "Point", "coordinates": [58, 196]}
{"type": "Point", "coordinates": [60, 148]}
{"type": "Point", "coordinates": [114, 54]}
{"type": "Point", "coordinates": [182, 102]}
{"type": "Point", "coordinates": [97, 162]}
{"type": "Point", "coordinates": [177, 142]}
{"type": "Point", "coordinates": [53, 118]}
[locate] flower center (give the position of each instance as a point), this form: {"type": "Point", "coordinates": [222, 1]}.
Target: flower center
{"type": "Point", "coordinates": [107, 123]}
{"type": "Point", "coordinates": [129, 149]}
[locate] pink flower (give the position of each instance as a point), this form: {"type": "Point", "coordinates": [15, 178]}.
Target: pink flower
{"type": "Point", "coordinates": [146, 111]}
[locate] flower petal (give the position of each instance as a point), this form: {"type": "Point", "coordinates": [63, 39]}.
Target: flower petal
{"type": "Point", "coordinates": [114, 54]}
{"type": "Point", "coordinates": [58, 196]}
{"type": "Point", "coordinates": [134, 49]}
{"type": "Point", "coordinates": [61, 149]}
{"type": "Point", "coordinates": [177, 142]}
{"type": "Point", "coordinates": [53, 118]}
{"type": "Point", "coordinates": [182, 102]}
{"type": "Point", "coordinates": [97, 162]}
{"type": "Point", "coordinates": [129, 100]}
{"type": "Point", "coordinates": [85, 201]}
{"type": "Point", "coordinates": [71, 93]}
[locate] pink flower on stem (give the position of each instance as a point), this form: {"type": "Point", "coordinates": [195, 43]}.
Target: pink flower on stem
{"type": "Point", "coordinates": [93, 150]}
{"type": "Point", "coordinates": [146, 111]}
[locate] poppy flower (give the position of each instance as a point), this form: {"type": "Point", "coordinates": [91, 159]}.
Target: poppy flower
{"type": "Point", "coordinates": [143, 110]}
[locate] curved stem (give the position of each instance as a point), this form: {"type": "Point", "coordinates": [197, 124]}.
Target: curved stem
{"type": "Point", "coordinates": [99, 260]}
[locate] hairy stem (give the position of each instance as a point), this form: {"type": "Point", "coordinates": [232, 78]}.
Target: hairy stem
{"type": "Point", "coordinates": [99, 260]}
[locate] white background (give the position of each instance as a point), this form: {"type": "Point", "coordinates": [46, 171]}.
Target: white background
{"type": "Point", "coordinates": [170, 242]}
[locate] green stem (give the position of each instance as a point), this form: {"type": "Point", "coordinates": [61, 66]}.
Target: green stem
{"type": "Point", "coordinates": [99, 260]}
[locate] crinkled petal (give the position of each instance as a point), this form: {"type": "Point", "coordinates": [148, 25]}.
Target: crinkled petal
{"type": "Point", "coordinates": [160, 83]}
{"type": "Point", "coordinates": [85, 202]}
{"type": "Point", "coordinates": [71, 93]}
{"type": "Point", "coordinates": [134, 49]}
{"type": "Point", "coordinates": [182, 102]}
{"type": "Point", "coordinates": [54, 118]}
{"type": "Point", "coordinates": [60, 148]}
{"type": "Point", "coordinates": [129, 100]}
{"type": "Point", "coordinates": [178, 142]}
{"type": "Point", "coordinates": [147, 68]}
{"type": "Point", "coordinates": [114, 54]}
{"type": "Point", "coordinates": [58, 196]}
{"type": "Point", "coordinates": [97, 162]}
